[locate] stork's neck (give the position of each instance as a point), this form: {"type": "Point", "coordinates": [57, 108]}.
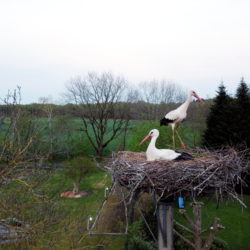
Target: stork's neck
{"type": "Point", "coordinates": [186, 104]}
{"type": "Point", "coordinates": [152, 143]}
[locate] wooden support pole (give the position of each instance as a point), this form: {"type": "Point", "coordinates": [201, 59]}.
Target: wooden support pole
{"type": "Point", "coordinates": [165, 226]}
{"type": "Point", "coordinates": [197, 206]}
{"type": "Point", "coordinates": [135, 197]}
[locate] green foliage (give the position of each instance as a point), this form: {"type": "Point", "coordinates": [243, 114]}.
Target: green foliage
{"type": "Point", "coordinates": [136, 238]}
{"type": "Point", "coordinates": [137, 243]}
{"type": "Point", "coordinates": [77, 167]}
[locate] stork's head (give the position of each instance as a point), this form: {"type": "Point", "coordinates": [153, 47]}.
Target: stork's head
{"type": "Point", "coordinates": [152, 133]}
{"type": "Point", "coordinates": [193, 93]}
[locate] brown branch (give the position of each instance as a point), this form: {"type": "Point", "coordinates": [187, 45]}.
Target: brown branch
{"type": "Point", "coordinates": [183, 227]}
{"type": "Point", "coordinates": [187, 218]}
{"type": "Point", "coordinates": [213, 230]}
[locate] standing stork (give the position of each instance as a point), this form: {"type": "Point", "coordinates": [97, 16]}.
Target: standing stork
{"type": "Point", "coordinates": [175, 117]}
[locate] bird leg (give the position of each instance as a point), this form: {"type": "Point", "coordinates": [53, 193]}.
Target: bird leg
{"type": "Point", "coordinates": [173, 136]}
{"type": "Point", "coordinates": [182, 143]}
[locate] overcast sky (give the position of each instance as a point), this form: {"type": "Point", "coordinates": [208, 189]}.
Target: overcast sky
{"type": "Point", "coordinates": [195, 43]}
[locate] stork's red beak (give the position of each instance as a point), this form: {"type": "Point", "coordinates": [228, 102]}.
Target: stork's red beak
{"type": "Point", "coordinates": [145, 139]}
{"type": "Point", "coordinates": [198, 98]}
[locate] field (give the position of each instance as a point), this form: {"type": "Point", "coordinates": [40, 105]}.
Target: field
{"type": "Point", "coordinates": [60, 223]}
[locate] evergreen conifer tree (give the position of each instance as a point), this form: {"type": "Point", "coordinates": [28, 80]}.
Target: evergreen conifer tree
{"type": "Point", "coordinates": [242, 126]}
{"type": "Point", "coordinates": [242, 115]}
{"type": "Point", "coordinates": [219, 121]}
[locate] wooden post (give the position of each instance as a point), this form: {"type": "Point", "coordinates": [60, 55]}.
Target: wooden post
{"type": "Point", "coordinates": [165, 226]}
{"type": "Point", "coordinates": [197, 222]}
{"type": "Point", "coordinates": [135, 197]}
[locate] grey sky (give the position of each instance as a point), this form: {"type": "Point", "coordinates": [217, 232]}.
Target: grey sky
{"type": "Point", "coordinates": [195, 43]}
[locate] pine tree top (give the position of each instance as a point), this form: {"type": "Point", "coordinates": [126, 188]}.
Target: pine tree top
{"type": "Point", "coordinates": [222, 97]}
{"type": "Point", "coordinates": [243, 92]}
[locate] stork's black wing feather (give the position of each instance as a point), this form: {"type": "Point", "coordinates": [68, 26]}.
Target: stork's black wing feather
{"type": "Point", "coordinates": [184, 157]}
{"type": "Point", "coordinates": [165, 121]}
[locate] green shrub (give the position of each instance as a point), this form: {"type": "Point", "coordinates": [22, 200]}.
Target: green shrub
{"type": "Point", "coordinates": [77, 168]}
{"type": "Point", "coordinates": [136, 238]}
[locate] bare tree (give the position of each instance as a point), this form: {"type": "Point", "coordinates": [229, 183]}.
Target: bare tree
{"type": "Point", "coordinates": [157, 92]}
{"type": "Point", "coordinates": [100, 98]}
{"type": "Point", "coordinates": [21, 132]}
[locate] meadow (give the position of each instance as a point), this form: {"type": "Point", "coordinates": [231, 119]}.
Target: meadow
{"type": "Point", "coordinates": [60, 223]}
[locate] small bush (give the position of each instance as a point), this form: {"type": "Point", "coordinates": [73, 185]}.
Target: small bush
{"type": "Point", "coordinates": [137, 240]}
{"type": "Point", "coordinates": [77, 168]}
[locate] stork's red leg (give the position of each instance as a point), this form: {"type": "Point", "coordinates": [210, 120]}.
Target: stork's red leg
{"type": "Point", "coordinates": [182, 143]}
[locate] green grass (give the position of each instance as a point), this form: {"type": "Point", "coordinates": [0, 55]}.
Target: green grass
{"type": "Point", "coordinates": [67, 217]}
{"type": "Point", "coordinates": [78, 210]}
{"type": "Point", "coordinates": [69, 140]}
{"type": "Point", "coordinates": [72, 214]}
{"type": "Point", "coordinates": [235, 219]}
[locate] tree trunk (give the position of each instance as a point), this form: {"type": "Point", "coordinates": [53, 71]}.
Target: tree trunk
{"type": "Point", "coordinates": [197, 222]}
{"type": "Point", "coordinates": [76, 187]}
{"type": "Point", "coordinates": [100, 151]}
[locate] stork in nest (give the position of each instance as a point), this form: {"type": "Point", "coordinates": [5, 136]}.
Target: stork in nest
{"type": "Point", "coordinates": [154, 154]}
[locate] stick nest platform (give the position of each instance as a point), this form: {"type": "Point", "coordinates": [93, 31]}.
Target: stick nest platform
{"type": "Point", "coordinates": [208, 171]}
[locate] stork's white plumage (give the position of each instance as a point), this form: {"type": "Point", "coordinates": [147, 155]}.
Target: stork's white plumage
{"type": "Point", "coordinates": [175, 117]}
{"type": "Point", "coordinates": [154, 153]}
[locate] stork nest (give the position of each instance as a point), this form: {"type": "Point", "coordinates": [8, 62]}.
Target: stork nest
{"type": "Point", "coordinates": [208, 171]}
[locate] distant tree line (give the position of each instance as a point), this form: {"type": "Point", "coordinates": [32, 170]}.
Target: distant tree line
{"type": "Point", "coordinates": [105, 104]}
{"type": "Point", "coordinates": [140, 110]}
{"type": "Point", "coordinates": [149, 101]}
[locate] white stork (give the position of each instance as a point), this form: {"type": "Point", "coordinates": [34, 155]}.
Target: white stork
{"type": "Point", "coordinates": [154, 153]}
{"type": "Point", "coordinates": [175, 117]}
